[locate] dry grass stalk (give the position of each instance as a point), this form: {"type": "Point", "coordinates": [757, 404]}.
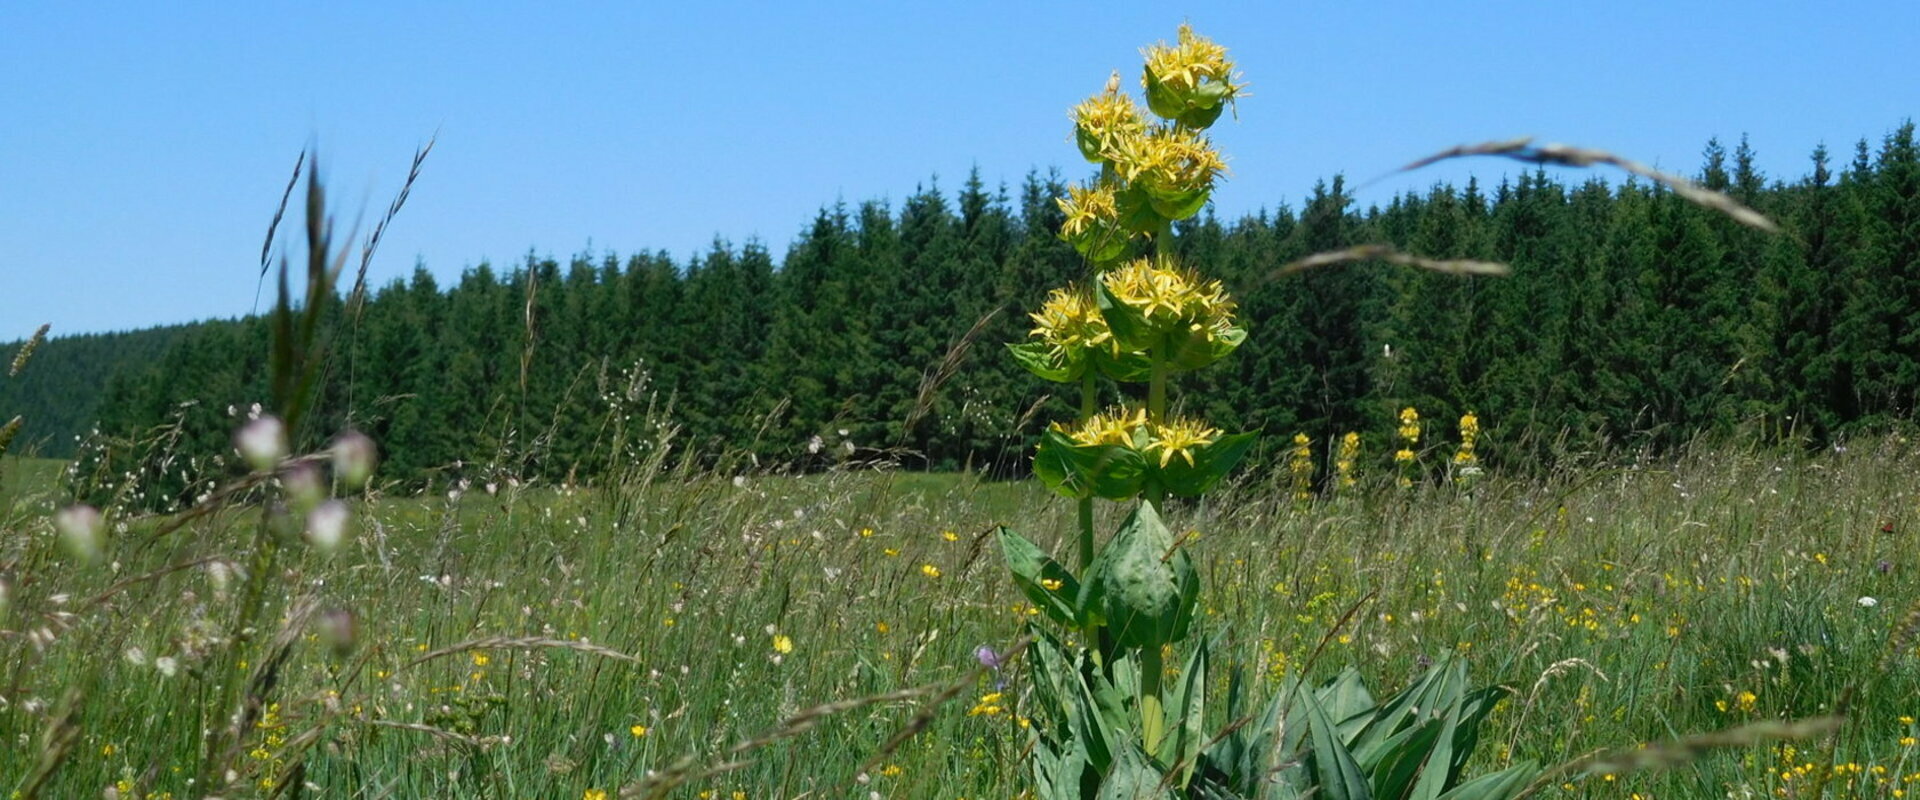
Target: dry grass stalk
{"type": "Point", "coordinates": [1523, 149]}
{"type": "Point", "coordinates": [358, 297]}
{"type": "Point", "coordinates": [948, 367]}
{"type": "Point", "coordinates": [1680, 752]}
{"type": "Point", "coordinates": [684, 770]}
{"type": "Point", "coordinates": [1381, 252]}
{"type": "Point", "coordinates": [519, 643]}
{"type": "Point", "coordinates": [21, 358]}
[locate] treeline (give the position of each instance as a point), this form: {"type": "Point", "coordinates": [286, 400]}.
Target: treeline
{"type": "Point", "coordinates": [1632, 318]}
{"type": "Point", "coordinates": [59, 393]}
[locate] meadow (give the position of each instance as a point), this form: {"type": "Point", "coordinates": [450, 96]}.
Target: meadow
{"type": "Point", "coordinates": [1708, 620]}
{"type": "Point", "coordinates": [529, 640]}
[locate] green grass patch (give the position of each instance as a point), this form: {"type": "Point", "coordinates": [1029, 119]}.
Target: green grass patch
{"type": "Point", "coordinates": [1622, 605]}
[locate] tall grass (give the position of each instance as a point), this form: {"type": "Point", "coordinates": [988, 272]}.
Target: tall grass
{"type": "Point", "coordinates": [537, 641]}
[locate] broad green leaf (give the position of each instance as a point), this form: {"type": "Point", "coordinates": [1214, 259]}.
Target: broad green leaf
{"type": "Point", "coordinates": [1178, 205]}
{"type": "Point", "coordinates": [1335, 774]}
{"type": "Point", "coordinates": [1040, 360]}
{"type": "Point", "coordinates": [1186, 718]}
{"type": "Point", "coordinates": [1210, 464]}
{"type": "Point", "coordinates": [1077, 471]}
{"type": "Point", "coordinates": [1130, 327]}
{"type": "Point", "coordinates": [1395, 763]}
{"type": "Point", "coordinates": [1127, 367]}
{"type": "Point", "coordinates": [1045, 582]}
{"type": "Point", "coordinates": [1436, 774]}
{"type": "Point", "coordinates": [1136, 211]}
{"type": "Point", "coordinates": [1500, 785]}
{"type": "Point", "coordinates": [1191, 349]}
{"type": "Point", "coordinates": [1133, 777]}
{"type": "Point", "coordinates": [1138, 591]}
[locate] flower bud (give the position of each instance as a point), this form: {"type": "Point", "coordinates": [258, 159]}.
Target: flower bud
{"type": "Point", "coordinates": [338, 631]}
{"type": "Point", "coordinates": [354, 457]}
{"type": "Point", "coordinates": [82, 531]}
{"type": "Point", "coordinates": [263, 442]}
{"type": "Point", "coordinates": [305, 487]}
{"type": "Point", "coordinates": [327, 525]}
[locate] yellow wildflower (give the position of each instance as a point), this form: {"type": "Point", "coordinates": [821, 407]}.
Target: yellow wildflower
{"type": "Point", "coordinates": [1170, 298]}
{"type": "Point", "coordinates": [1115, 426]}
{"type": "Point", "coordinates": [782, 643]}
{"type": "Point", "coordinates": [1168, 160]}
{"type": "Point", "coordinates": [930, 570]}
{"type": "Point", "coordinates": [1102, 120]}
{"type": "Point", "coordinates": [1190, 63]}
{"type": "Point", "coordinates": [1344, 460]}
{"type": "Point", "coordinates": [1069, 321]}
{"type": "Point", "coordinates": [1179, 437]}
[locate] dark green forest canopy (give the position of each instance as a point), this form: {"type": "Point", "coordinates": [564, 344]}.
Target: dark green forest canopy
{"type": "Point", "coordinates": [1632, 318]}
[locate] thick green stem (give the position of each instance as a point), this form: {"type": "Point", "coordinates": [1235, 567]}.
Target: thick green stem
{"type": "Point", "coordinates": [1089, 394]}
{"type": "Point", "coordinates": [1153, 716]}
{"type": "Point", "coordinates": [1157, 411]}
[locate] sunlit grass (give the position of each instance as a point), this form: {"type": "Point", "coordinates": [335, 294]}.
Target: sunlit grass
{"type": "Point", "coordinates": [1623, 605]}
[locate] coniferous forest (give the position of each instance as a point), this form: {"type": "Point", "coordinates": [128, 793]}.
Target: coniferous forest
{"type": "Point", "coordinates": [1632, 319]}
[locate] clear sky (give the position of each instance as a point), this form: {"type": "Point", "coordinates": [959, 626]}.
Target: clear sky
{"type": "Point", "coordinates": [143, 146]}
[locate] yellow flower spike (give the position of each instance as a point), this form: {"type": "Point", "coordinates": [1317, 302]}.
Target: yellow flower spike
{"type": "Point", "coordinates": [1101, 121]}
{"type": "Point", "coordinates": [1179, 437]}
{"type": "Point", "coordinates": [1343, 463]}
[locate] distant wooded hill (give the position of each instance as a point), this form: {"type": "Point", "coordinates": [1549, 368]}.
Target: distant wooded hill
{"type": "Point", "coordinates": [1632, 317]}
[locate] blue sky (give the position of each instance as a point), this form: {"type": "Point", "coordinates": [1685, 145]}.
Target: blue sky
{"type": "Point", "coordinates": [143, 146]}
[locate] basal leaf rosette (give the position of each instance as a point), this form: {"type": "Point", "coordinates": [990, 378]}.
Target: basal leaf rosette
{"type": "Point", "coordinates": [1172, 168]}
{"type": "Point", "coordinates": [1070, 336]}
{"type": "Point", "coordinates": [1102, 121]}
{"type": "Point", "coordinates": [1190, 81]}
{"type": "Point", "coordinates": [1157, 308]}
{"type": "Point", "coordinates": [1097, 457]}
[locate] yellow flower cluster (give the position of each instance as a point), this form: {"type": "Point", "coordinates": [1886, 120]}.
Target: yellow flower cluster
{"type": "Point", "coordinates": [1466, 462]}
{"type": "Point", "coordinates": [1171, 297]}
{"type": "Point", "coordinates": [1104, 120]}
{"type": "Point", "coordinates": [1176, 437]}
{"type": "Point", "coordinates": [1169, 159]}
{"type": "Point", "coordinates": [1115, 426]}
{"type": "Point", "coordinates": [1410, 426]}
{"type": "Point", "coordinates": [1190, 62]}
{"type": "Point", "coordinates": [1343, 460]}
{"type": "Point", "coordinates": [1069, 321]}
{"type": "Point", "coordinates": [1088, 209]}
{"type": "Point", "coordinates": [988, 706]}
{"type": "Point", "coordinates": [1300, 467]}
{"type": "Point", "coordinates": [1469, 434]}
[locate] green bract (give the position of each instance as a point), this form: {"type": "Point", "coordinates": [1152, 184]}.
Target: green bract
{"type": "Point", "coordinates": [1197, 107]}
{"type": "Point", "coordinates": [1211, 462]}
{"type": "Point", "coordinates": [1070, 469]}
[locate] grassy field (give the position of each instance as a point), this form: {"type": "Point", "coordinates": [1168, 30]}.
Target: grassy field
{"type": "Point", "coordinates": [543, 642]}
